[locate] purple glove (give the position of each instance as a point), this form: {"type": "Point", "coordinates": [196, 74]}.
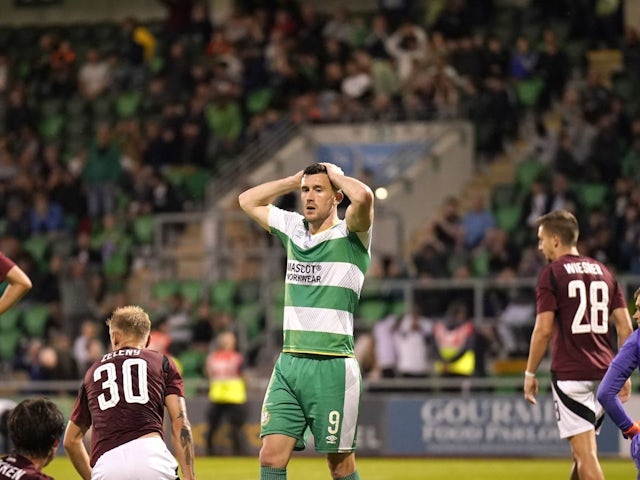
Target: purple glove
{"type": "Point", "coordinates": [635, 452]}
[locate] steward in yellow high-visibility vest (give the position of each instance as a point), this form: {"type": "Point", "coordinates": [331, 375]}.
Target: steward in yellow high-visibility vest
{"type": "Point", "coordinates": [227, 392]}
{"type": "Point", "coordinates": [455, 344]}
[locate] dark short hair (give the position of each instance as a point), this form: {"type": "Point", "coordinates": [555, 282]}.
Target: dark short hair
{"type": "Point", "coordinates": [561, 223]}
{"type": "Point", "coordinates": [34, 425]}
{"type": "Point", "coordinates": [314, 169]}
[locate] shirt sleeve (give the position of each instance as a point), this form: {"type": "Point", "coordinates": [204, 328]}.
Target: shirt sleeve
{"type": "Point", "coordinates": [621, 368]}
{"type": "Point", "coordinates": [545, 294]}
{"type": "Point", "coordinates": [6, 264]}
{"type": "Point", "coordinates": [80, 415]}
{"type": "Point", "coordinates": [174, 385]}
{"type": "Point", "coordinates": [618, 298]}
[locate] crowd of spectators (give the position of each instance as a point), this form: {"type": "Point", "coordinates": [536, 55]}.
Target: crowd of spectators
{"type": "Point", "coordinates": [105, 124]}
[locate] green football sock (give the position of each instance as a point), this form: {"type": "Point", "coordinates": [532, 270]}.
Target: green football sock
{"type": "Point", "coordinates": [270, 473]}
{"type": "Point", "coordinates": [353, 476]}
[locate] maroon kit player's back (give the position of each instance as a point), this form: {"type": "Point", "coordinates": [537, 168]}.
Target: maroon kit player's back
{"type": "Point", "coordinates": [137, 380]}
{"type": "Point", "coordinates": [582, 293]}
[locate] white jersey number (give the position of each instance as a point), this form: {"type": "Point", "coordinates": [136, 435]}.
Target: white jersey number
{"type": "Point", "coordinates": [598, 300]}
{"type": "Point", "coordinates": [111, 383]}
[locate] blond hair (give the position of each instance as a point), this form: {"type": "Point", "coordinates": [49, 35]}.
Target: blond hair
{"type": "Point", "coordinates": [131, 321]}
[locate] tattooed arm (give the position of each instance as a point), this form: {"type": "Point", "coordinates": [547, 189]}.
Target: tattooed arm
{"type": "Point", "coordinates": [181, 435]}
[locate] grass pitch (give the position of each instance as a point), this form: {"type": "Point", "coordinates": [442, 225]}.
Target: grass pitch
{"type": "Point", "coordinates": [246, 468]}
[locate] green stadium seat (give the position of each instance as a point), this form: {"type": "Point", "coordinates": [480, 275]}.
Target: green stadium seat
{"type": "Point", "coordinates": [35, 320]}
{"type": "Point", "coordinates": [223, 295]}
{"type": "Point", "coordinates": [479, 263]}
{"type": "Point", "coordinates": [527, 171]}
{"type": "Point", "coordinates": [51, 127]}
{"type": "Point", "coordinates": [9, 344]}
{"type": "Point", "coordinates": [191, 290]}
{"type": "Point", "coordinates": [192, 362]}
{"type": "Point", "coordinates": [38, 247]}
{"type": "Point", "coordinates": [370, 311]}
{"type": "Point", "coordinates": [164, 289]}
{"type": "Point", "coordinates": [592, 195]}
{"type": "Point", "coordinates": [258, 100]}
{"type": "Point", "coordinates": [528, 91]}
{"type": "Point", "coordinates": [128, 103]}
{"type": "Point", "coordinates": [503, 194]}
{"type": "Point", "coordinates": [508, 217]}
{"type": "Point", "coordinates": [195, 185]}
{"type": "Point", "coordinates": [10, 320]}
{"type": "Point", "coordinates": [144, 229]}
{"type": "Point", "coordinates": [250, 315]}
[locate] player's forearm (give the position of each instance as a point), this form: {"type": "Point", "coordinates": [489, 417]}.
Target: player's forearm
{"type": "Point", "coordinates": [183, 449]}
{"type": "Point", "coordinates": [19, 286]}
{"type": "Point", "coordinates": [79, 458]}
{"type": "Point", "coordinates": [537, 350]}
{"type": "Point", "coordinates": [266, 193]}
{"type": "Point", "coordinates": [623, 325]}
{"type": "Point", "coordinates": [608, 390]}
{"type": "Point", "coordinates": [358, 192]}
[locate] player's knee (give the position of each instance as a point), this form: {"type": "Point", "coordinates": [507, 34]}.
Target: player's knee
{"type": "Point", "coordinates": [272, 457]}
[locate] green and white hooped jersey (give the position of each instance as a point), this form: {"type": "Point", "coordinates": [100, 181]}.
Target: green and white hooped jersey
{"type": "Point", "coordinates": [324, 277]}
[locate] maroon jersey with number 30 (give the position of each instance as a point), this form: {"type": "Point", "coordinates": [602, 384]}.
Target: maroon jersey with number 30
{"type": "Point", "coordinates": [122, 396]}
{"type": "Point", "coordinates": [582, 293]}
{"type": "Point", "coordinates": [17, 466]}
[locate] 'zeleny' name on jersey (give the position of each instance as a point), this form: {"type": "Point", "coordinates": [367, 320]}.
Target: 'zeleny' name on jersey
{"type": "Point", "coordinates": [583, 267]}
{"type": "Point", "coordinates": [128, 352]}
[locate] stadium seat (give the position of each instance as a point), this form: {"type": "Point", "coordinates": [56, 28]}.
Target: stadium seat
{"type": "Point", "coordinates": [251, 315]}
{"type": "Point", "coordinates": [592, 195]}
{"type": "Point", "coordinates": [370, 311]}
{"type": "Point", "coordinates": [127, 104]}
{"type": "Point", "coordinates": [144, 229]}
{"type": "Point", "coordinates": [10, 320]}
{"type": "Point", "coordinates": [248, 291]}
{"type": "Point", "coordinates": [191, 290]}
{"type": "Point", "coordinates": [163, 289]}
{"type": "Point", "coordinates": [508, 217]}
{"type": "Point", "coordinates": [527, 171]}
{"type": "Point", "coordinates": [195, 185]}
{"type": "Point", "coordinates": [223, 294]}
{"type": "Point", "coordinates": [479, 263]}
{"type": "Point", "coordinates": [528, 91]}
{"type": "Point", "coordinates": [35, 320]}
{"type": "Point", "coordinates": [51, 127]}
{"type": "Point", "coordinates": [9, 344]}
{"type": "Point", "coordinates": [503, 194]}
{"type": "Point", "coordinates": [258, 100]}
{"type": "Point", "coordinates": [192, 362]}
{"type": "Point", "coordinates": [38, 247]}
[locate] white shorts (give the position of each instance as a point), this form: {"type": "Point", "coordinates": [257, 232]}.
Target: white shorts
{"type": "Point", "coordinates": [141, 459]}
{"type": "Point", "coordinates": [577, 408]}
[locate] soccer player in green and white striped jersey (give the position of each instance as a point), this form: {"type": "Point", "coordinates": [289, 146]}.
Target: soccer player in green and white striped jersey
{"type": "Point", "coordinates": [316, 382]}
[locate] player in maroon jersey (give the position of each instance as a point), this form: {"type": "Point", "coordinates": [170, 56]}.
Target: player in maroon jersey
{"type": "Point", "coordinates": [123, 397]}
{"type": "Point", "coordinates": [35, 426]}
{"type": "Point", "coordinates": [18, 283]}
{"type": "Point", "coordinates": [576, 298]}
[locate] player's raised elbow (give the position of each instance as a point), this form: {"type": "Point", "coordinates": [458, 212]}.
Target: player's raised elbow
{"type": "Point", "coordinates": [246, 201]}
{"type": "Point", "coordinates": [363, 197]}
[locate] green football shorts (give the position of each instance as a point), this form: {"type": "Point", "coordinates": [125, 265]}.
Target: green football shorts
{"type": "Point", "coordinates": [318, 392]}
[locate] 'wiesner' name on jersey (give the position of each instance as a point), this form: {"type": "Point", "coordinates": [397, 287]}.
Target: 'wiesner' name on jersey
{"type": "Point", "coordinates": [303, 272]}
{"type": "Point", "coordinates": [583, 267]}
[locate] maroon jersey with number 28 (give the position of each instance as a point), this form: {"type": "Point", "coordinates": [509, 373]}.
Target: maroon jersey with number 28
{"type": "Point", "coordinates": [122, 396]}
{"type": "Point", "coordinates": [582, 293]}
